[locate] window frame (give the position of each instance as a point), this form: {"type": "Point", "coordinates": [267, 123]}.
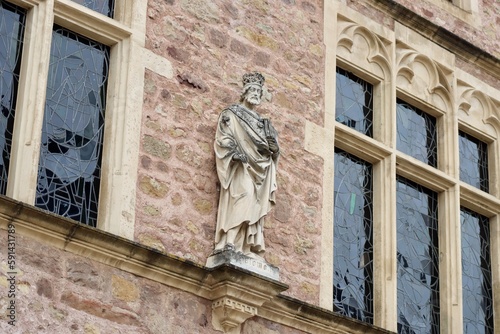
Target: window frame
{"type": "Point", "coordinates": [489, 228]}
{"type": "Point", "coordinates": [488, 152]}
{"type": "Point", "coordinates": [391, 60]}
{"type": "Point", "coordinates": [368, 270]}
{"type": "Point", "coordinates": [123, 111]}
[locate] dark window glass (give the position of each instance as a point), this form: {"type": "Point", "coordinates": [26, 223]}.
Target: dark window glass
{"type": "Point", "coordinates": [477, 291]}
{"type": "Point", "coordinates": [73, 125]}
{"type": "Point", "coordinates": [353, 241]}
{"type": "Point", "coordinates": [417, 259]}
{"type": "Point", "coordinates": [473, 161]}
{"type": "Point", "coordinates": [417, 135]}
{"type": "Point", "coordinates": [12, 21]}
{"type": "Point", "coordinates": [105, 7]}
{"type": "Point", "coordinates": [354, 102]}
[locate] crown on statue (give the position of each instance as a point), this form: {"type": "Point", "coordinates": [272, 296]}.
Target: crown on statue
{"type": "Point", "coordinates": [253, 79]}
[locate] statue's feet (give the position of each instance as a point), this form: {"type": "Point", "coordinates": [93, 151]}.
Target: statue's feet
{"type": "Point", "coordinates": [227, 248]}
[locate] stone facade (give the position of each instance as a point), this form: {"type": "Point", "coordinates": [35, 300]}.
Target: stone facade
{"type": "Point", "coordinates": [185, 62]}
{"type": "Point", "coordinates": [211, 45]}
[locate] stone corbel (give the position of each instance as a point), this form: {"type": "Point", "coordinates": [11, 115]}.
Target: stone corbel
{"type": "Point", "coordinates": [228, 314]}
{"type": "Point", "coordinates": [237, 295]}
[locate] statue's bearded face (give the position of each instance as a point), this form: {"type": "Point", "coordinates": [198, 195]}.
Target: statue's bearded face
{"type": "Point", "coordinates": [253, 94]}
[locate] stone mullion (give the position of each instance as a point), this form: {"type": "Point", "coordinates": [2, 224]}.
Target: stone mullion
{"type": "Point", "coordinates": [23, 169]}
{"type": "Point", "coordinates": [384, 240]}
{"type": "Point", "coordinates": [450, 277]}
{"type": "Point", "coordinates": [449, 225]}
{"type": "Point", "coordinates": [384, 206]}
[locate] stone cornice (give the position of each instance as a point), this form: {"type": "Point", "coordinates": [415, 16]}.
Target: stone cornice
{"type": "Point", "coordinates": [222, 284]}
{"type": "Point", "coordinates": [438, 34]}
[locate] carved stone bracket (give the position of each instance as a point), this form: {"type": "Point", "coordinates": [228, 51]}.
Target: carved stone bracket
{"type": "Point", "coordinates": [228, 314]}
{"type": "Point", "coordinates": [237, 295]}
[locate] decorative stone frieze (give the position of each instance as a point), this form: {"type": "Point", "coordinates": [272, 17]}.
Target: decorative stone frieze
{"type": "Point", "coordinates": [228, 314]}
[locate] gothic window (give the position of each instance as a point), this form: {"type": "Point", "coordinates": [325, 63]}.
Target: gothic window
{"type": "Point", "coordinates": [417, 134]}
{"type": "Point", "coordinates": [72, 134]}
{"type": "Point", "coordinates": [105, 7]}
{"type": "Point", "coordinates": [353, 237]}
{"type": "Point", "coordinates": [473, 161]}
{"type": "Point", "coordinates": [12, 22]}
{"type": "Point", "coordinates": [354, 102]}
{"type": "Point", "coordinates": [477, 294]}
{"type": "Point", "coordinates": [417, 258]}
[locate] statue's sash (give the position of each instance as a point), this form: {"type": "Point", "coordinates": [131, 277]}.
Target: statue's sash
{"type": "Point", "coordinates": [256, 124]}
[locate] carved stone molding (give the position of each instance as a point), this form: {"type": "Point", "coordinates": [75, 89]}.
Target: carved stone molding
{"type": "Point", "coordinates": [238, 297]}
{"type": "Point", "coordinates": [228, 314]}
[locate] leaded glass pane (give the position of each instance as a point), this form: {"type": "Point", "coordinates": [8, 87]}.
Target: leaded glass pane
{"type": "Point", "coordinates": [73, 125]}
{"type": "Point", "coordinates": [417, 259]}
{"type": "Point", "coordinates": [417, 134]}
{"type": "Point", "coordinates": [105, 7]}
{"type": "Point", "coordinates": [354, 102]}
{"type": "Point", "coordinates": [12, 21]}
{"type": "Point", "coordinates": [353, 241]}
{"type": "Point", "coordinates": [473, 161]}
{"type": "Point", "coordinates": [477, 290]}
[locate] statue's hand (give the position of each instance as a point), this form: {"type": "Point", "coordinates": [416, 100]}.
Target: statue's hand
{"type": "Point", "coordinates": [273, 144]}
{"type": "Point", "coordinates": [240, 157]}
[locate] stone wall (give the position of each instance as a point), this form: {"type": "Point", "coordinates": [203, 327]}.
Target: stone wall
{"type": "Point", "coordinates": [58, 292]}
{"type": "Point", "coordinates": [211, 45]}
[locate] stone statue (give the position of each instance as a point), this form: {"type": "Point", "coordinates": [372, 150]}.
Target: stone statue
{"type": "Point", "coordinates": [246, 152]}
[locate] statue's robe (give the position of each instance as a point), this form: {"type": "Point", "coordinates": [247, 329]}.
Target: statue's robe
{"type": "Point", "coordinates": [247, 188]}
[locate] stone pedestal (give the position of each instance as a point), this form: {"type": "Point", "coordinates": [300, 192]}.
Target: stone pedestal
{"type": "Point", "coordinates": [255, 264]}
{"type": "Point", "coordinates": [240, 285]}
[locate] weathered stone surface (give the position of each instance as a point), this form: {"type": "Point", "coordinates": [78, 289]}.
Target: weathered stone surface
{"type": "Point", "coordinates": [44, 288]}
{"type": "Point", "coordinates": [156, 147]}
{"type": "Point", "coordinates": [146, 162]}
{"type": "Point", "coordinates": [124, 289]}
{"type": "Point", "coordinates": [151, 241]}
{"type": "Point", "coordinates": [258, 39]}
{"type": "Point", "coordinates": [239, 47]}
{"type": "Point", "coordinates": [91, 329]}
{"type": "Point", "coordinates": [152, 187]}
{"type": "Point", "coordinates": [262, 59]}
{"type": "Point", "coordinates": [35, 257]}
{"type": "Point", "coordinates": [191, 80]}
{"type": "Point", "coordinates": [186, 154]}
{"type": "Point", "coordinates": [203, 206]}
{"type": "Point", "coordinates": [176, 199]}
{"type": "Point", "coordinates": [152, 210]}
{"type": "Point", "coordinates": [99, 309]}
{"type": "Point", "coordinates": [84, 274]}
{"type": "Point", "coordinates": [218, 38]}
{"type": "Point", "coordinates": [202, 10]}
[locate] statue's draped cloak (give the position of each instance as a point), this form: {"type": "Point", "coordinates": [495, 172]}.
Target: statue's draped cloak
{"type": "Point", "coordinates": [247, 188]}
